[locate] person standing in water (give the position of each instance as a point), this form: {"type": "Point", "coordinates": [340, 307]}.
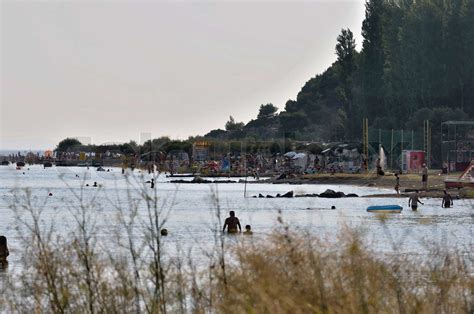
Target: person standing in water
{"type": "Point", "coordinates": [424, 176]}
{"type": "Point", "coordinates": [397, 183]}
{"type": "Point", "coordinates": [378, 165]}
{"type": "Point", "coordinates": [232, 223]}
{"type": "Point", "coordinates": [3, 251]}
{"type": "Point", "coordinates": [447, 201]}
{"type": "Point", "coordinates": [414, 200]}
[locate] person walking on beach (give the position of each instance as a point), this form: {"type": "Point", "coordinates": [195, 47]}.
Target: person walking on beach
{"type": "Point", "coordinates": [397, 183]}
{"type": "Point", "coordinates": [232, 223]}
{"type": "Point", "coordinates": [447, 201]}
{"type": "Point", "coordinates": [3, 251]}
{"type": "Point", "coordinates": [424, 176]}
{"type": "Point", "coordinates": [414, 200]}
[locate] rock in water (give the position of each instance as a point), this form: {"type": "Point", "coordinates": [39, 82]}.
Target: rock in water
{"type": "Point", "coordinates": [329, 194]}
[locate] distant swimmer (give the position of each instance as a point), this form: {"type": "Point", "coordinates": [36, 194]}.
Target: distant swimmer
{"type": "Point", "coordinates": [447, 201]}
{"type": "Point", "coordinates": [77, 176]}
{"type": "Point", "coordinates": [164, 232]}
{"type": "Point", "coordinates": [50, 194]}
{"type": "Point", "coordinates": [95, 184]}
{"type": "Point", "coordinates": [232, 223]}
{"type": "Point", "coordinates": [3, 251]}
{"type": "Point", "coordinates": [152, 185]}
{"type": "Point", "coordinates": [414, 200]}
{"type": "Point", "coordinates": [248, 230]}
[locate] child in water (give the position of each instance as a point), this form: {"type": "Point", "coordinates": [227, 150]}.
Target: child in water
{"type": "Point", "coordinates": [248, 230]}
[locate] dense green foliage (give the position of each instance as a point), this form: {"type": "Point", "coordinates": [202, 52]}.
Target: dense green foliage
{"type": "Point", "coordinates": [68, 144]}
{"type": "Point", "coordinates": [416, 62]}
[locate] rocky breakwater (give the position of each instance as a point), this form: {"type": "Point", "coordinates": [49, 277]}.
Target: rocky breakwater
{"type": "Point", "coordinates": [326, 194]}
{"type": "Point", "coordinates": [198, 179]}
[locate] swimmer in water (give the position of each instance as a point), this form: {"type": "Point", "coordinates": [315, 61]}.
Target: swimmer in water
{"type": "Point", "coordinates": [248, 230]}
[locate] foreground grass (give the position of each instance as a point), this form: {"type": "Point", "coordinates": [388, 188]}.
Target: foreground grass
{"type": "Point", "coordinates": [286, 273]}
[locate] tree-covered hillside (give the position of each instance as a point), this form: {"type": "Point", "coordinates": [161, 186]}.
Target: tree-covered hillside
{"type": "Point", "coordinates": [416, 62]}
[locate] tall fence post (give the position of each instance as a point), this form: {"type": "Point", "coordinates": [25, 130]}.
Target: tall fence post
{"type": "Point", "coordinates": [401, 145]}
{"type": "Point", "coordinates": [365, 142]}
{"type": "Point", "coordinates": [380, 136]}
{"type": "Point", "coordinates": [427, 141]}
{"type": "Point", "coordinates": [391, 152]}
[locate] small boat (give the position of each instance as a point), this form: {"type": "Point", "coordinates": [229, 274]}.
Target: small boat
{"type": "Point", "coordinates": [385, 209]}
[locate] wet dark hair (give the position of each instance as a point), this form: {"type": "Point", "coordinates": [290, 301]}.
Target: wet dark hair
{"type": "Point", "coordinates": [232, 213]}
{"type": "Point", "coordinates": [3, 240]}
{"type": "Point", "coordinates": [247, 227]}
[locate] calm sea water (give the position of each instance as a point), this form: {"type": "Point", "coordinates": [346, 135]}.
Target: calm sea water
{"type": "Point", "coordinates": [192, 210]}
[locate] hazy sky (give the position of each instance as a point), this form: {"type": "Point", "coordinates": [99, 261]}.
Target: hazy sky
{"type": "Point", "coordinates": [110, 70]}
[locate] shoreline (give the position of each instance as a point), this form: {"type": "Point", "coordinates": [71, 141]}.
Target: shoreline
{"type": "Point", "coordinates": [408, 183]}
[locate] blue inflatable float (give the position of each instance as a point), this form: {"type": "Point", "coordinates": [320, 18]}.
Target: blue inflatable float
{"type": "Point", "coordinates": [385, 209]}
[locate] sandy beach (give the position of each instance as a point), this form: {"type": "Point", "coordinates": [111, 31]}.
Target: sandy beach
{"type": "Point", "coordinates": [408, 183]}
